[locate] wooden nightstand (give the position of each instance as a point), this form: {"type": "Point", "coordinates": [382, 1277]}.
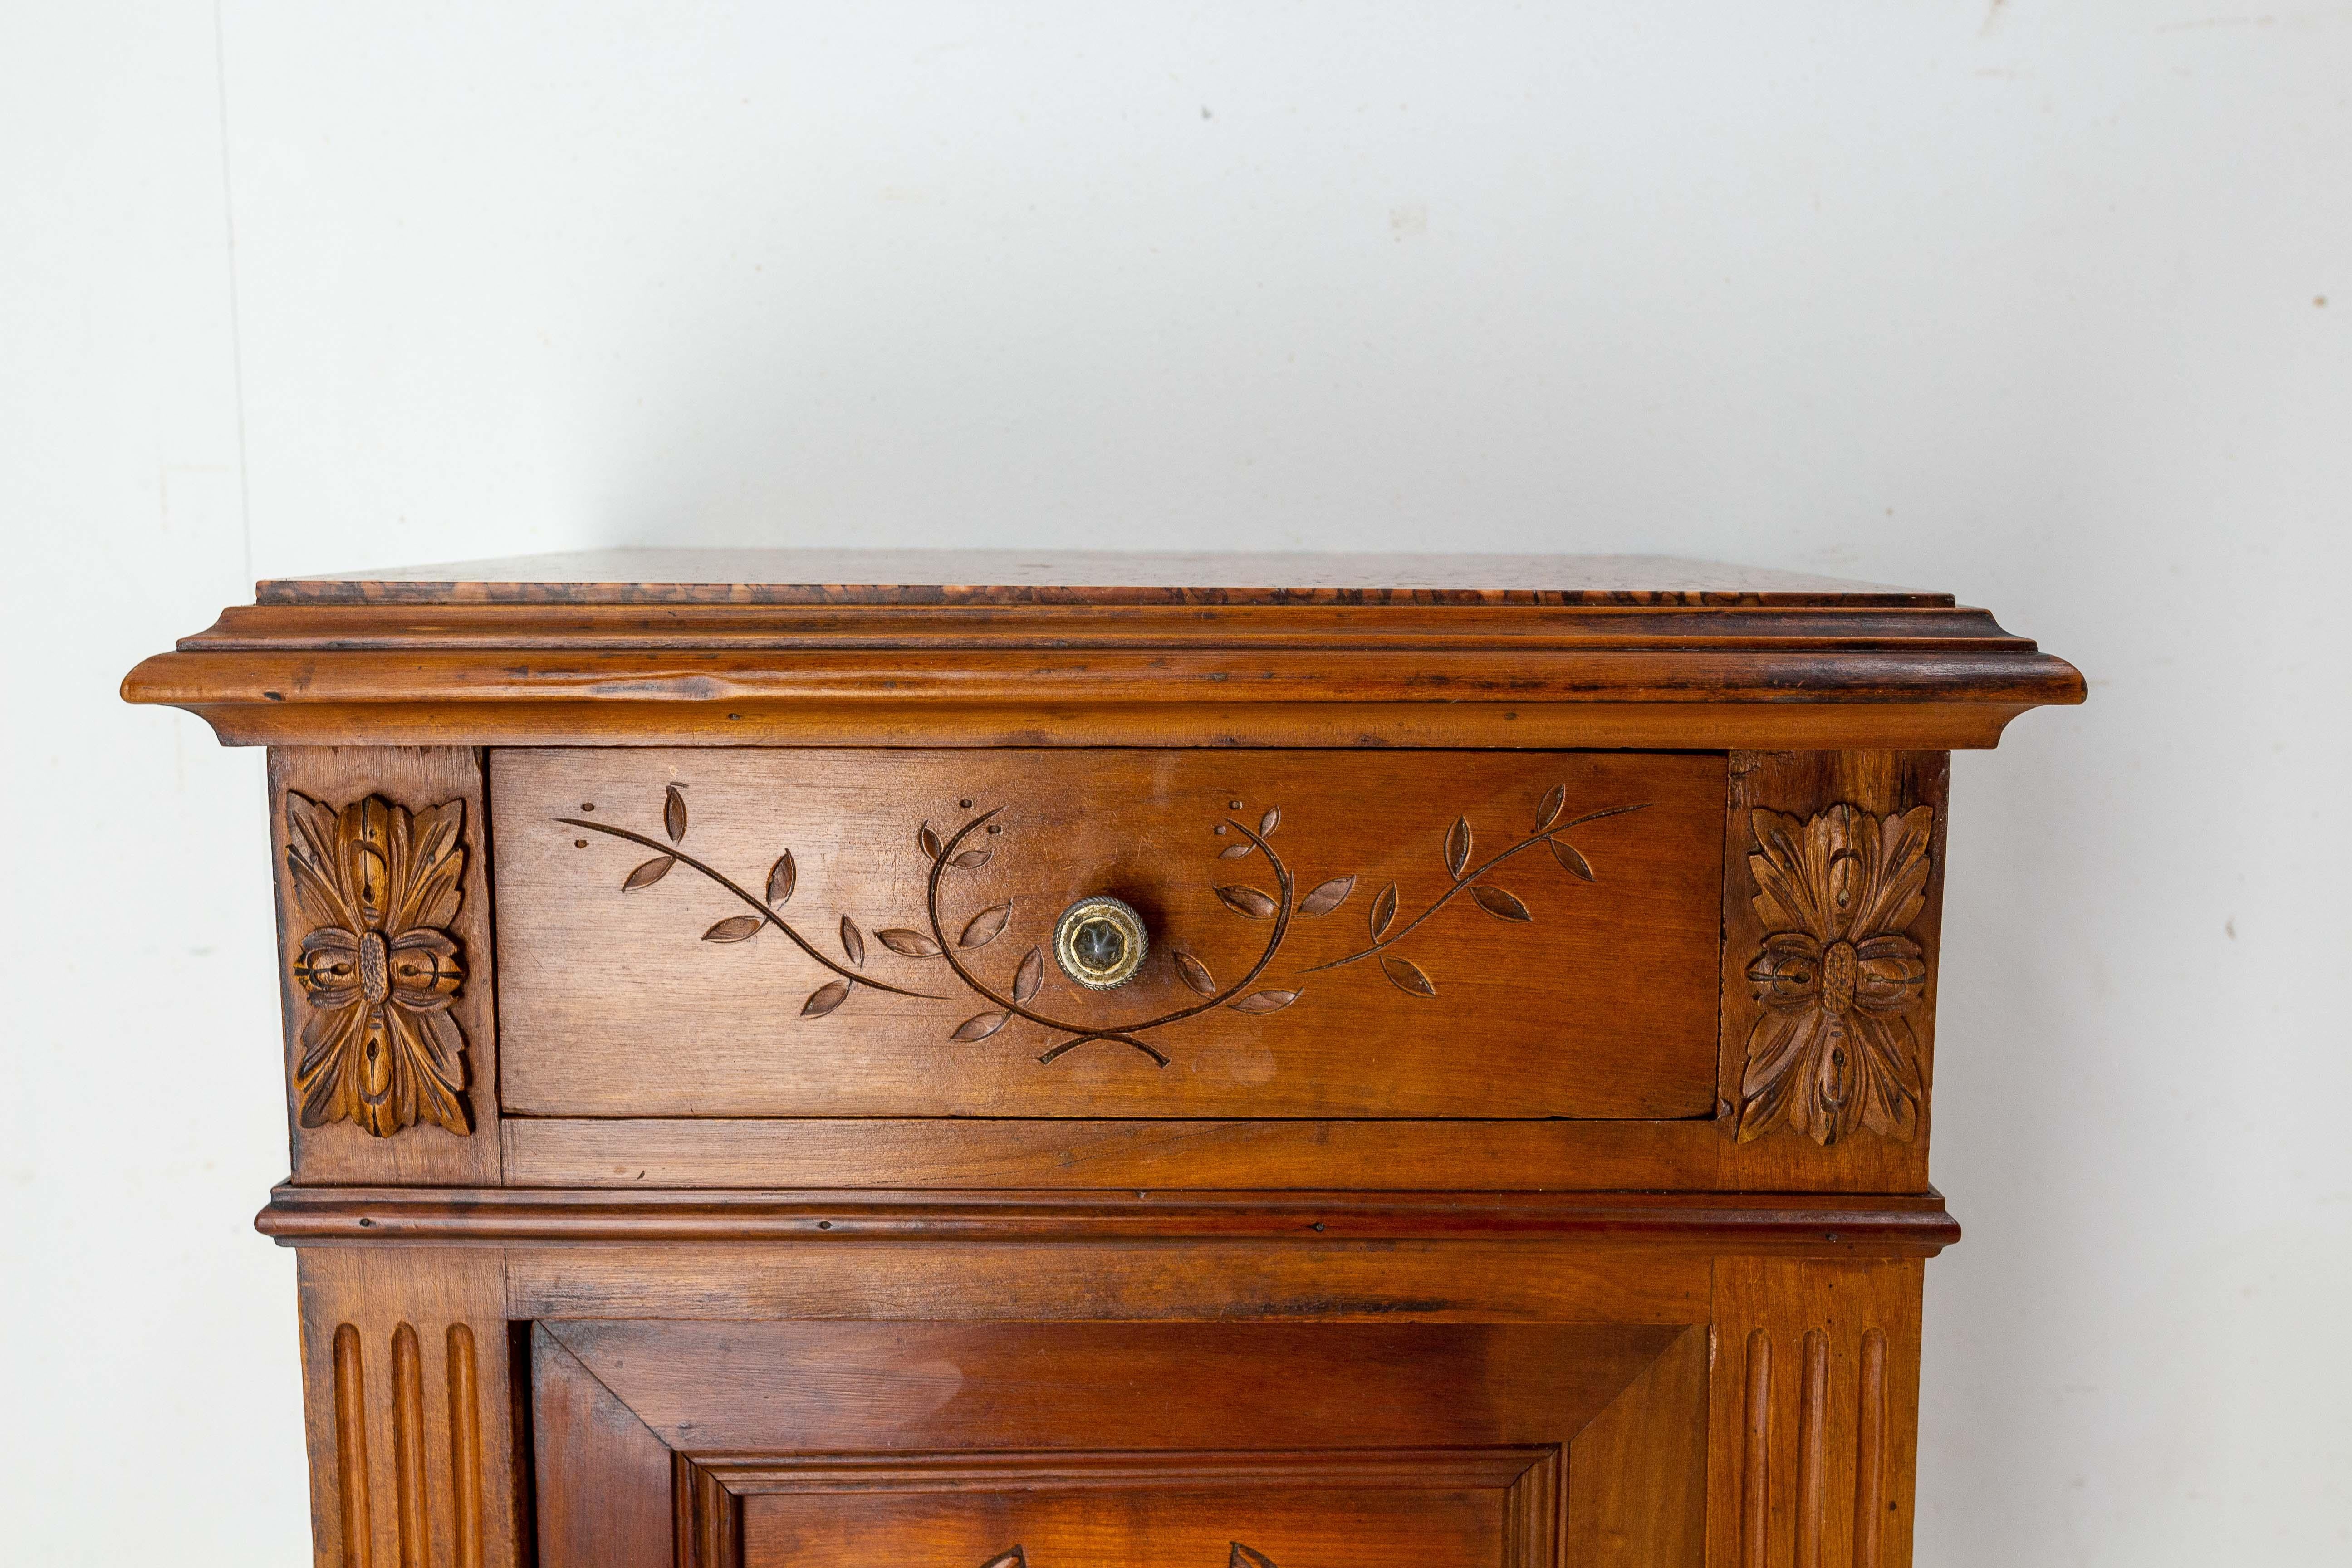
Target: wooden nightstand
{"type": "Point", "coordinates": [1222, 1061]}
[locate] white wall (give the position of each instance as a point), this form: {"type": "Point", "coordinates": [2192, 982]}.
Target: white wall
{"type": "Point", "coordinates": [2023, 300]}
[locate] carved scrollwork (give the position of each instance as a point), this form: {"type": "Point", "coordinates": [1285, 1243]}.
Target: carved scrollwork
{"type": "Point", "coordinates": [378, 966]}
{"type": "Point", "coordinates": [1836, 974]}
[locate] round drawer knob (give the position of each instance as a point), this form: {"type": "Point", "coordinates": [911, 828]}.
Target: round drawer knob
{"type": "Point", "coordinates": [1100, 942]}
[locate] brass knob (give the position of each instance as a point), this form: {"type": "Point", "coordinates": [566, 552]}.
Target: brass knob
{"type": "Point", "coordinates": [1100, 942]}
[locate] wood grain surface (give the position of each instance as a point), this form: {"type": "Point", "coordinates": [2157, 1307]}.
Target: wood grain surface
{"type": "Point", "coordinates": [772, 576]}
{"type": "Point", "coordinates": [1383, 1155]}
{"type": "Point", "coordinates": [1394, 1517]}
{"type": "Point", "coordinates": [411, 1399]}
{"type": "Point", "coordinates": [947, 1280]}
{"type": "Point", "coordinates": [1098, 1442]}
{"type": "Point", "coordinates": [761, 933]}
{"type": "Point", "coordinates": [1813, 1423]}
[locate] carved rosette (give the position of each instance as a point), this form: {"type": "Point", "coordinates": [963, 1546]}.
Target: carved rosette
{"type": "Point", "coordinates": [378, 966]}
{"type": "Point", "coordinates": [1836, 976]}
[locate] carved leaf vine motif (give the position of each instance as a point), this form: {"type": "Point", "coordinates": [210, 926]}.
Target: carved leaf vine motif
{"type": "Point", "coordinates": [783, 879]}
{"type": "Point", "coordinates": [1836, 974]}
{"type": "Point", "coordinates": [378, 966]}
{"type": "Point", "coordinates": [1243, 900]}
{"type": "Point", "coordinates": [948, 855]}
{"type": "Point", "coordinates": [1500, 902]}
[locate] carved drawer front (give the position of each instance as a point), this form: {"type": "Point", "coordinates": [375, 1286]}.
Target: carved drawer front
{"type": "Point", "coordinates": [755, 932]}
{"type": "Point", "coordinates": [1105, 1445]}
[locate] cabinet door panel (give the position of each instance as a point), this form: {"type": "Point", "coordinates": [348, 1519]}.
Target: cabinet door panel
{"type": "Point", "coordinates": [1391, 1524]}
{"type": "Point", "coordinates": [1106, 1445]}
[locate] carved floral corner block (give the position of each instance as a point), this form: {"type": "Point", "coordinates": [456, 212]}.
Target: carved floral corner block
{"type": "Point", "coordinates": [1838, 978]}
{"type": "Point", "coordinates": [377, 964]}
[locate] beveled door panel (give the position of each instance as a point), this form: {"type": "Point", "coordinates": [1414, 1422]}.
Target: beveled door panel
{"type": "Point", "coordinates": [1102, 1445]}
{"type": "Point", "coordinates": [1375, 1509]}
{"type": "Point", "coordinates": [752, 932]}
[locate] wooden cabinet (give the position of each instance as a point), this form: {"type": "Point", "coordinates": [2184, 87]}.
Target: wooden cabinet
{"type": "Point", "coordinates": [981, 1062]}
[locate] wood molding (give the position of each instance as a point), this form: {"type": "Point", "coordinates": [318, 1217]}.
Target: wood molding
{"type": "Point", "coordinates": [1856, 675]}
{"type": "Point", "coordinates": [710, 1491]}
{"type": "Point", "coordinates": [1496, 726]}
{"type": "Point", "coordinates": [1118, 1468]}
{"type": "Point", "coordinates": [1901, 1226]}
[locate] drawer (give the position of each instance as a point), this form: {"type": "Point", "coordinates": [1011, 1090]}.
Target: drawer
{"type": "Point", "coordinates": [802, 932]}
